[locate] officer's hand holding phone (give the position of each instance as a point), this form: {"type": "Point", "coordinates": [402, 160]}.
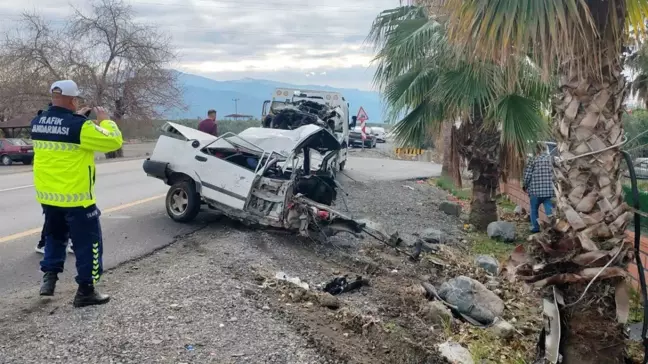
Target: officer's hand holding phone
{"type": "Point", "coordinates": [102, 114]}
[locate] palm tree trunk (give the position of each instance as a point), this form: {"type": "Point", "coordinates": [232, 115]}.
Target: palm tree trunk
{"type": "Point", "coordinates": [480, 146]}
{"type": "Point", "coordinates": [446, 144]}
{"type": "Point", "coordinates": [451, 167]}
{"type": "Point", "coordinates": [591, 209]}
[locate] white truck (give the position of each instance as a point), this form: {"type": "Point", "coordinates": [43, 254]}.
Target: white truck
{"type": "Point", "coordinates": [290, 108]}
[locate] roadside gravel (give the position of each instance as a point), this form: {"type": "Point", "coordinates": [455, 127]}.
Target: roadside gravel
{"type": "Point", "coordinates": [201, 300]}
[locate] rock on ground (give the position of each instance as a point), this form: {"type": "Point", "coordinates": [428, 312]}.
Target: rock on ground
{"type": "Point", "coordinates": [501, 230]}
{"type": "Point", "coordinates": [450, 208]}
{"type": "Point", "coordinates": [488, 263]}
{"type": "Point", "coordinates": [436, 312]}
{"type": "Point", "coordinates": [455, 353]}
{"type": "Point", "coordinates": [472, 299]}
{"type": "Point", "coordinates": [502, 329]}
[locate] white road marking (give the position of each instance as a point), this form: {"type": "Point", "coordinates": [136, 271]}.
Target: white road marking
{"type": "Point", "coordinates": [16, 188]}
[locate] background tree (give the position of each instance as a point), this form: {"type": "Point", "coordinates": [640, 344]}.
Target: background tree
{"type": "Point", "coordinates": [116, 61]}
{"type": "Point", "coordinates": [581, 41]}
{"type": "Point", "coordinates": [425, 79]}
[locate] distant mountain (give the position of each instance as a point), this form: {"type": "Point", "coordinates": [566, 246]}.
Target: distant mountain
{"type": "Point", "coordinates": [202, 94]}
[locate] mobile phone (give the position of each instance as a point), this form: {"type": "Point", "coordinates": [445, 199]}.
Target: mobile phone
{"type": "Point", "coordinates": [91, 114]}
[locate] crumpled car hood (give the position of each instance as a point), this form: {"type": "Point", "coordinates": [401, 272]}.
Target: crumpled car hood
{"type": "Point", "coordinates": [287, 142]}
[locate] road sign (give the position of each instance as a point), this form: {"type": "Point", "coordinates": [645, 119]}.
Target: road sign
{"type": "Point", "coordinates": [363, 117]}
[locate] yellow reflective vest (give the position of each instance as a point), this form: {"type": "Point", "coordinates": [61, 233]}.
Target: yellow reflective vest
{"type": "Point", "coordinates": [64, 148]}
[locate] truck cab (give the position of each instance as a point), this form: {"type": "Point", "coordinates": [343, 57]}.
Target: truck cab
{"type": "Point", "coordinates": [287, 96]}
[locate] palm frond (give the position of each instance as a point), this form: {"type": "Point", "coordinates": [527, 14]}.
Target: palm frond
{"type": "Point", "coordinates": [546, 30]}
{"type": "Point", "coordinates": [414, 128]}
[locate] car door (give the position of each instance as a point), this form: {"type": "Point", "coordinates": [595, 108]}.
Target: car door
{"type": "Point", "coordinates": [223, 181]}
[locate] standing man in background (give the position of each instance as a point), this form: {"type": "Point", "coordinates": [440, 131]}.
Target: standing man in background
{"type": "Point", "coordinates": [538, 183]}
{"type": "Point", "coordinates": [209, 125]}
{"type": "Point", "coordinates": [64, 177]}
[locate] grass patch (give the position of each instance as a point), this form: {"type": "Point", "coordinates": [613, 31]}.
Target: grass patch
{"type": "Point", "coordinates": [485, 348]}
{"type": "Point", "coordinates": [446, 184]}
{"type": "Point", "coordinates": [506, 204]}
{"type": "Point", "coordinates": [636, 307]}
{"type": "Point", "coordinates": [483, 245]}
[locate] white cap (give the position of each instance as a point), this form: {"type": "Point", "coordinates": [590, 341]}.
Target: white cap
{"type": "Point", "coordinates": [65, 88]}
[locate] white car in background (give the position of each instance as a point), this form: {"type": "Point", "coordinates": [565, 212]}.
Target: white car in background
{"type": "Point", "coordinates": [379, 132]}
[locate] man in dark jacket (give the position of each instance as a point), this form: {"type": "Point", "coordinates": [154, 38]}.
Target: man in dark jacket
{"type": "Point", "coordinates": [209, 125]}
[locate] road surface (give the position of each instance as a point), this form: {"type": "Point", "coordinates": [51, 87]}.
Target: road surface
{"type": "Point", "coordinates": [134, 219]}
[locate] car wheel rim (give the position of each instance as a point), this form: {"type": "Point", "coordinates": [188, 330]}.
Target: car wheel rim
{"type": "Point", "coordinates": [179, 202]}
{"type": "Point", "coordinates": [5, 160]}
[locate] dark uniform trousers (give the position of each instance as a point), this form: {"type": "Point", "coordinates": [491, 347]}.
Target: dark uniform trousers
{"type": "Point", "coordinates": [81, 224]}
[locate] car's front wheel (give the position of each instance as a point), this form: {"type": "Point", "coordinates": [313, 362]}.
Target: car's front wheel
{"type": "Point", "coordinates": [182, 201]}
{"type": "Point", "coordinates": [5, 160]}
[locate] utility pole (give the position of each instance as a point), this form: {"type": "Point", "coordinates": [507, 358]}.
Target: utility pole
{"type": "Point", "coordinates": [236, 108]}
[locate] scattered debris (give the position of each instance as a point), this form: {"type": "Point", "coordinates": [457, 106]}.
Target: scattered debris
{"type": "Point", "coordinates": [501, 230]}
{"type": "Point", "coordinates": [455, 353]}
{"type": "Point", "coordinates": [450, 208]}
{"type": "Point", "coordinates": [294, 280]}
{"type": "Point", "coordinates": [519, 210]}
{"type": "Point", "coordinates": [409, 187]}
{"type": "Point", "coordinates": [341, 285]}
{"type": "Point", "coordinates": [472, 299]}
{"type": "Point", "coordinates": [433, 236]}
{"type": "Point", "coordinates": [488, 263]}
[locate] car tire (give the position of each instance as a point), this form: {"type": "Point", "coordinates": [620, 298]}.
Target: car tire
{"type": "Point", "coordinates": [5, 160]}
{"type": "Point", "coordinates": [342, 165]}
{"type": "Point", "coordinates": [27, 161]}
{"type": "Point", "coordinates": [182, 201]}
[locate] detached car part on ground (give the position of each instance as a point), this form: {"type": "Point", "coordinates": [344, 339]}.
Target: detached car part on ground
{"type": "Point", "coordinates": [254, 177]}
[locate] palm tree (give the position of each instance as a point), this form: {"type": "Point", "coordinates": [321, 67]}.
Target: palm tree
{"type": "Point", "coordinates": [426, 83]}
{"type": "Point", "coordinates": [582, 256]}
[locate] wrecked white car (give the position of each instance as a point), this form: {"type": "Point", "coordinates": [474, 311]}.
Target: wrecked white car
{"type": "Point", "coordinates": [252, 177]}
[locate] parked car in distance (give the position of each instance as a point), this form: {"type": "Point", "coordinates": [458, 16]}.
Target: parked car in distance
{"type": "Point", "coordinates": [355, 137]}
{"type": "Point", "coordinates": [640, 167]}
{"type": "Point", "coordinates": [15, 150]}
{"type": "Point", "coordinates": [379, 133]}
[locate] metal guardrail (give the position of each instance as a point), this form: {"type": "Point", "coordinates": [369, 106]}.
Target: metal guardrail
{"type": "Point", "coordinates": [409, 151]}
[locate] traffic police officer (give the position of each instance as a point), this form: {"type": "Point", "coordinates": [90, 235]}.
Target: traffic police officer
{"type": "Point", "coordinates": [64, 178]}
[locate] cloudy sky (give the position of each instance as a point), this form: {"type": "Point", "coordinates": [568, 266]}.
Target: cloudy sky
{"type": "Point", "coordinates": [295, 41]}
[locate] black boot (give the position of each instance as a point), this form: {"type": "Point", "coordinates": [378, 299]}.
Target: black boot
{"type": "Point", "coordinates": [49, 284]}
{"type": "Point", "coordinates": [87, 296]}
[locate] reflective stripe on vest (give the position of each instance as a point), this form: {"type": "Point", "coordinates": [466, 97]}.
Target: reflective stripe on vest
{"type": "Point", "coordinates": [63, 197]}
{"type": "Point", "coordinates": [56, 146]}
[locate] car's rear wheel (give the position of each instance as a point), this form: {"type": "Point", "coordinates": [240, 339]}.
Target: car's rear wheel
{"type": "Point", "coordinates": [5, 160]}
{"type": "Point", "coordinates": [182, 201]}
{"type": "Point", "coordinates": [27, 161]}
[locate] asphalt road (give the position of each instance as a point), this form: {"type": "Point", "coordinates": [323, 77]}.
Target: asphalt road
{"type": "Point", "coordinates": [134, 219]}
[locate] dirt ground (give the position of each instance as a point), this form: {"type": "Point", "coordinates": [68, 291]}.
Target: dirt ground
{"type": "Point", "coordinates": [213, 297]}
